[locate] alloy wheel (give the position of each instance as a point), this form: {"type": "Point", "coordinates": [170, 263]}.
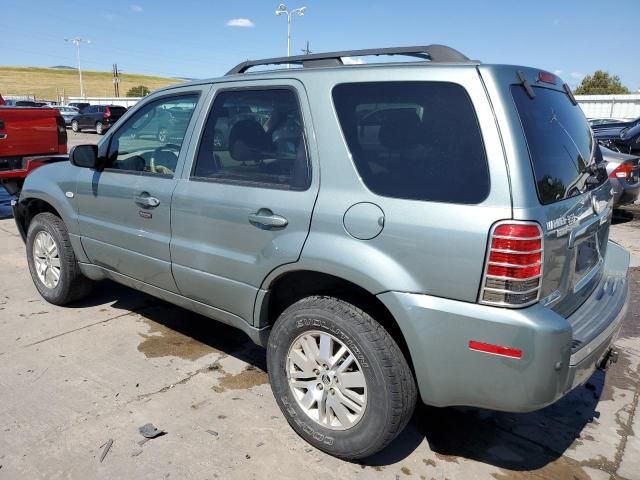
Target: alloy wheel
{"type": "Point", "coordinates": [46, 259]}
{"type": "Point", "coordinates": [326, 380]}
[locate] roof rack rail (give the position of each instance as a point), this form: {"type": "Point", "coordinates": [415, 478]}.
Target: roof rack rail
{"type": "Point", "coordinates": [433, 53]}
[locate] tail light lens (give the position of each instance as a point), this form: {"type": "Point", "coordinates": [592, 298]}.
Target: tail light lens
{"type": "Point", "coordinates": [107, 112]}
{"type": "Point", "coordinates": [513, 271]}
{"type": "Point", "coordinates": [62, 131]}
{"type": "Point", "coordinates": [624, 170]}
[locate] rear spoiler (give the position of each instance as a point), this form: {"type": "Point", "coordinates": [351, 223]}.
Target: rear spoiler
{"type": "Point", "coordinates": [13, 178]}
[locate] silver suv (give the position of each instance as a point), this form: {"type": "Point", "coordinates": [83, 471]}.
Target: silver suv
{"type": "Point", "coordinates": [435, 228]}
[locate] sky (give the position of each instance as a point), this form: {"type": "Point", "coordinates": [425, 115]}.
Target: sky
{"type": "Point", "coordinates": [202, 39]}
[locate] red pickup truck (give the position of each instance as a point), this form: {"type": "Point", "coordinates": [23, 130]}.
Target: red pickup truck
{"type": "Point", "coordinates": [29, 138]}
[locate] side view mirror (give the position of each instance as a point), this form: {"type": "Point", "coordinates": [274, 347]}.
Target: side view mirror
{"type": "Point", "coordinates": [85, 156]}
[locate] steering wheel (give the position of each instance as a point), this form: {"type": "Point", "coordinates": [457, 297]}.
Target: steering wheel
{"type": "Point", "coordinates": [172, 147]}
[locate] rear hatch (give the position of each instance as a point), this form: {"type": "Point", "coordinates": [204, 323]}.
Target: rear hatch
{"type": "Point", "coordinates": [114, 112]}
{"type": "Point", "coordinates": [559, 181]}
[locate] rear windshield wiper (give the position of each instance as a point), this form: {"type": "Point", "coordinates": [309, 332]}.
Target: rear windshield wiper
{"type": "Point", "coordinates": [526, 85]}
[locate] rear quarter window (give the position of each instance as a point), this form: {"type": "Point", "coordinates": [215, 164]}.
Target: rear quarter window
{"type": "Point", "coordinates": [414, 140]}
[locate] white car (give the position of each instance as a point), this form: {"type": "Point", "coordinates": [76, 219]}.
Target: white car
{"type": "Point", "coordinates": [67, 112]}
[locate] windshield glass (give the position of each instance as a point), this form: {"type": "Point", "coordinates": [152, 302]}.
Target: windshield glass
{"type": "Point", "coordinates": [559, 139]}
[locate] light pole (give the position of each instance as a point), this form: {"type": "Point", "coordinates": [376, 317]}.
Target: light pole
{"type": "Point", "coordinates": [283, 9]}
{"type": "Point", "coordinates": [77, 41]}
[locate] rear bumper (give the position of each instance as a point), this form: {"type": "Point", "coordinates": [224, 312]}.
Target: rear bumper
{"type": "Point", "coordinates": [438, 332]}
{"type": "Point", "coordinates": [623, 192]}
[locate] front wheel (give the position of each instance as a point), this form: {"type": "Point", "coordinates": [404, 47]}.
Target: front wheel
{"type": "Point", "coordinates": [339, 378]}
{"type": "Point", "coordinates": [52, 262]}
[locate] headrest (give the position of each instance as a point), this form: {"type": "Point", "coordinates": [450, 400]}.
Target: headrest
{"type": "Point", "coordinates": [248, 141]}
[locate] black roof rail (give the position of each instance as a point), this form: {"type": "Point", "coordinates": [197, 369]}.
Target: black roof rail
{"type": "Point", "coordinates": [433, 53]}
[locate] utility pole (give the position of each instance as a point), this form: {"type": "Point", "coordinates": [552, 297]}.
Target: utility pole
{"type": "Point", "coordinates": [116, 80]}
{"type": "Point", "coordinates": [306, 51]}
{"type": "Point", "coordinates": [77, 41]}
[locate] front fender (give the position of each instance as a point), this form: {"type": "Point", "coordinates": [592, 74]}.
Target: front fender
{"type": "Point", "coordinates": [54, 184]}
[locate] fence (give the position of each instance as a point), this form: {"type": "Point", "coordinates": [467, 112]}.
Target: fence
{"type": "Point", "coordinates": [31, 98]}
{"type": "Point", "coordinates": [610, 106]}
{"type": "Point", "coordinates": [123, 101]}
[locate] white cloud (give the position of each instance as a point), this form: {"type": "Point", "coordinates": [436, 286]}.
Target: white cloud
{"type": "Point", "coordinates": [557, 72]}
{"type": "Point", "coordinates": [577, 75]}
{"type": "Point", "coordinates": [136, 8]}
{"type": "Point", "coordinates": [353, 61]}
{"type": "Point", "coordinates": [240, 22]}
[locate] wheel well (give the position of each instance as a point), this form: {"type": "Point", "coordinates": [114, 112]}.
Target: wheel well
{"type": "Point", "coordinates": [293, 286]}
{"type": "Point", "coordinates": [33, 207]}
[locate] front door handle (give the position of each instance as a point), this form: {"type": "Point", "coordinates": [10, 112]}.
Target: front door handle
{"type": "Point", "coordinates": [146, 200]}
{"type": "Point", "coordinates": [265, 219]}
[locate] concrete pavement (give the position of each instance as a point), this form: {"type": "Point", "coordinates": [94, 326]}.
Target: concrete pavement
{"type": "Point", "coordinates": [71, 379]}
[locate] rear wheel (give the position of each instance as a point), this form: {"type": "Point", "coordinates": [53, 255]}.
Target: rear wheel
{"type": "Point", "coordinates": [52, 262]}
{"type": "Point", "coordinates": [339, 378]}
{"type": "Point", "coordinates": [99, 128]}
{"type": "Point", "coordinates": [74, 125]}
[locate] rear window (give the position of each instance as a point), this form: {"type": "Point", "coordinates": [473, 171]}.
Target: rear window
{"type": "Point", "coordinates": [559, 140]}
{"type": "Point", "coordinates": [414, 140]}
{"type": "Point", "coordinates": [118, 110]}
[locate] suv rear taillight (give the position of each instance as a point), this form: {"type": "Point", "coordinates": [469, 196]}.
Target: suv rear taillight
{"type": "Point", "coordinates": [62, 131]}
{"type": "Point", "coordinates": [107, 112]}
{"type": "Point", "coordinates": [624, 170]}
{"type": "Point", "coordinates": [513, 269]}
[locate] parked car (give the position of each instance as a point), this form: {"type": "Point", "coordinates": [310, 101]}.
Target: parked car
{"type": "Point", "coordinates": [620, 139]}
{"type": "Point", "coordinates": [79, 105]}
{"type": "Point", "coordinates": [164, 124]}
{"type": "Point", "coordinates": [618, 124]}
{"type": "Point", "coordinates": [97, 117]}
{"type": "Point", "coordinates": [67, 112]}
{"type": "Point", "coordinates": [29, 138]}
{"type": "Point", "coordinates": [604, 121]}
{"type": "Point", "coordinates": [375, 264]}
{"type": "Point", "coordinates": [624, 175]}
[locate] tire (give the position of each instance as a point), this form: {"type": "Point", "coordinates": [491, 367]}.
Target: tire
{"type": "Point", "coordinates": [71, 285]}
{"type": "Point", "coordinates": [99, 128]}
{"type": "Point", "coordinates": [387, 397]}
{"type": "Point", "coordinates": [74, 126]}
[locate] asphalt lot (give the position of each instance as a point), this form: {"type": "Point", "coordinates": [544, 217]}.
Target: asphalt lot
{"type": "Point", "coordinates": [72, 379]}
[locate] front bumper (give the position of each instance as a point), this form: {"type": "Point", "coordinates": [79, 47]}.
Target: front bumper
{"type": "Point", "coordinates": [438, 331]}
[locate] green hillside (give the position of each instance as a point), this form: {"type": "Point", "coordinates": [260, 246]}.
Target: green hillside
{"type": "Point", "coordinates": [48, 83]}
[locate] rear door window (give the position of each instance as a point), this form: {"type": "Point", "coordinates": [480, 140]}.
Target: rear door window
{"type": "Point", "coordinates": [255, 137]}
{"type": "Point", "coordinates": [414, 140]}
{"type": "Point", "coordinates": [559, 139]}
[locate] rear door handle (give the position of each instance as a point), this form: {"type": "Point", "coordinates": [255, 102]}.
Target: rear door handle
{"type": "Point", "coordinates": [265, 219]}
{"type": "Point", "coordinates": [146, 200]}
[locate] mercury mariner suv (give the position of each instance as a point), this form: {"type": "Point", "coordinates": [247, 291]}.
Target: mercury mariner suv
{"type": "Point", "coordinates": [435, 228]}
